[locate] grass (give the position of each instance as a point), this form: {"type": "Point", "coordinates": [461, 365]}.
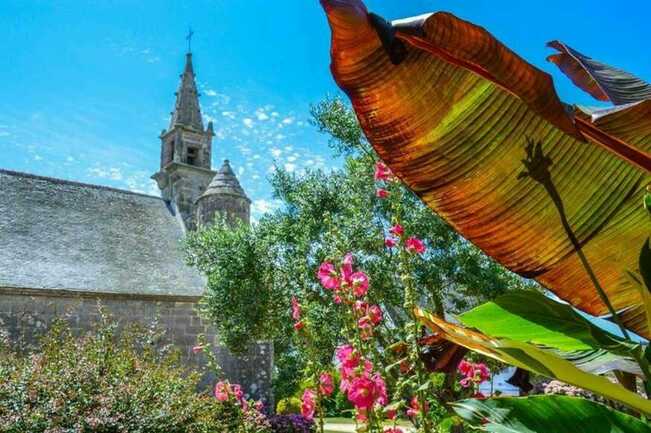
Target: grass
{"type": "Point", "coordinates": [339, 425]}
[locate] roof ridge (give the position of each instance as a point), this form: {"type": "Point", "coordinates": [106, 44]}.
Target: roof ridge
{"type": "Point", "coordinates": [74, 182]}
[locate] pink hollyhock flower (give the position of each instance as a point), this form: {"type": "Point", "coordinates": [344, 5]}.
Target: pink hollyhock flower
{"type": "Point", "coordinates": [326, 385]}
{"type": "Point", "coordinates": [466, 382]}
{"type": "Point", "coordinates": [381, 396]}
{"type": "Point", "coordinates": [222, 391]}
{"type": "Point", "coordinates": [375, 314]}
{"type": "Point", "coordinates": [360, 283]}
{"type": "Point", "coordinates": [337, 299]}
{"type": "Point", "coordinates": [299, 325]}
{"type": "Point", "coordinates": [308, 405]}
{"type": "Point", "coordinates": [415, 245]}
{"type": "Point", "coordinates": [382, 172]}
{"type": "Point", "coordinates": [237, 391]}
{"type": "Point", "coordinates": [259, 406]}
{"type": "Point", "coordinates": [393, 430]}
{"type": "Point", "coordinates": [360, 307]}
{"type": "Point", "coordinates": [344, 385]}
{"type": "Point", "coordinates": [390, 242]}
{"type": "Point", "coordinates": [347, 269]}
{"type": "Point", "coordinates": [381, 193]}
{"type": "Point", "coordinates": [296, 309]}
{"type": "Point", "coordinates": [414, 407]}
{"type": "Point", "coordinates": [465, 368]}
{"type": "Point", "coordinates": [397, 230]}
{"type": "Point", "coordinates": [328, 276]}
{"type": "Point", "coordinates": [391, 413]}
{"type": "Point", "coordinates": [481, 373]}
{"type": "Point", "coordinates": [365, 328]}
{"type": "Point", "coordinates": [197, 349]}
{"type": "Point", "coordinates": [347, 356]}
{"type": "Point", "coordinates": [362, 392]}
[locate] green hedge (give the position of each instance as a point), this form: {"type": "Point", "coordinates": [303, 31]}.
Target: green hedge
{"type": "Point", "coordinates": [107, 381]}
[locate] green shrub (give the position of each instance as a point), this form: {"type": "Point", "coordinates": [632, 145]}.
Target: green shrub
{"type": "Point", "coordinates": [288, 406]}
{"type": "Point", "coordinates": [107, 381]}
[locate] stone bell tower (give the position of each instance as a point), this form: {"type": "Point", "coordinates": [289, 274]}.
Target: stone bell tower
{"type": "Point", "coordinates": [186, 150]}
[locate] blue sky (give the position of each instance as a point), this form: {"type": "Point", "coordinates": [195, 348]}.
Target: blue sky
{"type": "Point", "coordinates": [88, 86]}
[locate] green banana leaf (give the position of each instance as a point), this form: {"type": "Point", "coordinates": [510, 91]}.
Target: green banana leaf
{"type": "Point", "coordinates": [547, 414]}
{"type": "Point", "coordinates": [532, 317]}
{"type": "Point", "coordinates": [532, 358]}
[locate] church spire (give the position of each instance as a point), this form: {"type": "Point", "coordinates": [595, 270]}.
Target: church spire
{"type": "Point", "coordinates": [186, 110]}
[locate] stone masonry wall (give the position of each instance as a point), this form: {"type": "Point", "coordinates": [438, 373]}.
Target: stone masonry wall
{"type": "Point", "coordinates": [25, 314]}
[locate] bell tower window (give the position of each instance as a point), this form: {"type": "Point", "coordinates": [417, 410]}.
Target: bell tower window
{"type": "Point", "coordinates": [192, 156]}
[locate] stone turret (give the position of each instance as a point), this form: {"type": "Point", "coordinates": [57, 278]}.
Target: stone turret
{"type": "Point", "coordinates": [186, 150]}
{"type": "Point", "coordinates": [223, 196]}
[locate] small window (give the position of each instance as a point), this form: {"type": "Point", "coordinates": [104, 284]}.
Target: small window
{"type": "Point", "coordinates": [192, 155]}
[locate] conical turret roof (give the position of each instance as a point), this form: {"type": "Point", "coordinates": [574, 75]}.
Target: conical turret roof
{"type": "Point", "coordinates": [225, 182]}
{"type": "Point", "coordinates": [186, 110]}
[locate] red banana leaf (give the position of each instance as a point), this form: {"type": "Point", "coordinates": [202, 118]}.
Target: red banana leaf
{"type": "Point", "coordinates": [481, 136]}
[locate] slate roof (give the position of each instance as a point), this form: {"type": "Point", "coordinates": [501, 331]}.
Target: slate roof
{"type": "Point", "coordinates": [225, 183]}
{"type": "Point", "coordinates": [57, 234]}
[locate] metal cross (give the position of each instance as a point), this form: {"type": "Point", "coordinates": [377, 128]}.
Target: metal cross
{"type": "Point", "coordinates": [189, 38]}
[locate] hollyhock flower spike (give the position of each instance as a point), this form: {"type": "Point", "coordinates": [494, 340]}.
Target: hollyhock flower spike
{"type": "Point", "coordinates": [415, 245]}
{"type": "Point", "coordinates": [326, 384]}
{"type": "Point", "coordinates": [397, 230]}
{"type": "Point", "coordinates": [308, 404]}
{"type": "Point", "coordinates": [381, 193]}
{"type": "Point", "coordinates": [382, 172]}
{"type": "Point", "coordinates": [328, 276]}
{"type": "Point", "coordinates": [360, 283]}
{"type": "Point", "coordinates": [296, 309]}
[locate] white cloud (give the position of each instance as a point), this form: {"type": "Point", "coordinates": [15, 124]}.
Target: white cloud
{"type": "Point", "coordinates": [248, 122]}
{"type": "Point", "coordinates": [262, 206]}
{"type": "Point", "coordinates": [288, 120]}
{"type": "Point", "coordinates": [276, 152]}
{"type": "Point", "coordinates": [210, 92]}
{"type": "Point", "coordinates": [113, 173]}
{"type": "Point", "coordinates": [289, 167]}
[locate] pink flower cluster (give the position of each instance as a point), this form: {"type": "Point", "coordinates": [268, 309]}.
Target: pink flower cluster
{"type": "Point", "coordinates": [363, 388]}
{"type": "Point", "coordinates": [344, 280]}
{"type": "Point", "coordinates": [473, 374]}
{"type": "Point", "coordinates": [412, 243]}
{"type": "Point", "coordinates": [224, 391]}
{"type": "Point", "coordinates": [308, 402]}
{"type": "Point", "coordinates": [368, 317]}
